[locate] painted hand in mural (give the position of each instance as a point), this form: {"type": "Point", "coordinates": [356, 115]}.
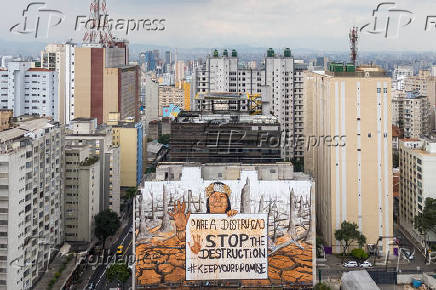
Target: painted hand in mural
{"type": "Point", "coordinates": [196, 247]}
{"type": "Point", "coordinates": [232, 212]}
{"type": "Point", "coordinates": [180, 217]}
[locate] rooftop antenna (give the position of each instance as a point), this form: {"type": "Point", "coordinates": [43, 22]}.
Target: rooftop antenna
{"type": "Point", "coordinates": [353, 44]}
{"type": "Point", "coordinates": [98, 32]}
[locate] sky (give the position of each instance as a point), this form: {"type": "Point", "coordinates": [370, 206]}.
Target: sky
{"type": "Point", "coordinates": [308, 24]}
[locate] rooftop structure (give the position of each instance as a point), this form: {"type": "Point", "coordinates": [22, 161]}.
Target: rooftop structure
{"type": "Point", "coordinates": [201, 137]}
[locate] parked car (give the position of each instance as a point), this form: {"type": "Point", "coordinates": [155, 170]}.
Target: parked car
{"type": "Point", "coordinates": [366, 264]}
{"type": "Point", "coordinates": [351, 264]}
{"type": "Point", "coordinates": [91, 286]}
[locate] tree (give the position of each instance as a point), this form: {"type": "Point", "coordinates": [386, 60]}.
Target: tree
{"type": "Point", "coordinates": [321, 286]}
{"type": "Point", "coordinates": [106, 224]}
{"type": "Point", "coordinates": [359, 254]}
{"type": "Point", "coordinates": [348, 234]}
{"type": "Point", "coordinates": [164, 139]}
{"type": "Point", "coordinates": [426, 221]}
{"type": "Point", "coordinates": [118, 272]}
{"type": "Point", "coordinates": [131, 192]}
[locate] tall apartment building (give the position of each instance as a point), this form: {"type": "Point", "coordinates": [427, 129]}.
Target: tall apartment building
{"type": "Point", "coordinates": [412, 113]}
{"type": "Point", "coordinates": [31, 200]}
{"type": "Point", "coordinates": [179, 73]}
{"type": "Point", "coordinates": [150, 60]}
{"type": "Point", "coordinates": [151, 99]}
{"type": "Point", "coordinates": [169, 95]}
{"type": "Point", "coordinates": [29, 91]}
{"type": "Point", "coordinates": [82, 192]}
{"type": "Point", "coordinates": [279, 81]}
{"type": "Point", "coordinates": [353, 177]}
{"type": "Point", "coordinates": [418, 82]}
{"type": "Point", "coordinates": [169, 58]}
{"type": "Point", "coordinates": [416, 116]}
{"type": "Point", "coordinates": [85, 132]}
{"type": "Point", "coordinates": [105, 83]}
{"type": "Point", "coordinates": [61, 58]}
{"type": "Point", "coordinates": [399, 75]}
{"type": "Point", "coordinates": [425, 84]}
{"type": "Point", "coordinates": [417, 182]}
{"type": "Point", "coordinates": [130, 138]}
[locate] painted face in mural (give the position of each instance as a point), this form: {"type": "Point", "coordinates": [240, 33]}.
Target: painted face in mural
{"type": "Point", "coordinates": [218, 202]}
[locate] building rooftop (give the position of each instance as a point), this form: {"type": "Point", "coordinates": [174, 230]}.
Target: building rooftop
{"type": "Point", "coordinates": [235, 117]}
{"type": "Point", "coordinates": [220, 95]}
{"type": "Point", "coordinates": [82, 119]}
{"type": "Point", "coordinates": [154, 147]}
{"type": "Point", "coordinates": [38, 69]}
{"type": "Point", "coordinates": [24, 128]}
{"type": "Point", "coordinates": [410, 140]}
{"type": "Point", "coordinates": [122, 124]}
{"type": "Point", "coordinates": [350, 70]}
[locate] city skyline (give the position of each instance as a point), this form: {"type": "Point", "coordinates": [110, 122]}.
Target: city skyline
{"type": "Point", "coordinates": [248, 24]}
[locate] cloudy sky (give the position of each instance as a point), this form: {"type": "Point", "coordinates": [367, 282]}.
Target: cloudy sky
{"type": "Point", "coordinates": [313, 24]}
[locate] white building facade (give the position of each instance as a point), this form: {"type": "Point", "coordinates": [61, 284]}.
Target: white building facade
{"type": "Point", "coordinates": [29, 91]}
{"type": "Point", "coordinates": [61, 58]}
{"type": "Point", "coordinates": [417, 183]}
{"type": "Point", "coordinates": [31, 193]}
{"type": "Point", "coordinates": [279, 81]}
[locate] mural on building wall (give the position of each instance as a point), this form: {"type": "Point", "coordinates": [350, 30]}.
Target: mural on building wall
{"type": "Point", "coordinates": [244, 232]}
{"type": "Point", "coordinates": [170, 111]}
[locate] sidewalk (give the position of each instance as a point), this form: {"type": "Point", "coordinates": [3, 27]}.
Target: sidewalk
{"type": "Point", "coordinates": [55, 267]}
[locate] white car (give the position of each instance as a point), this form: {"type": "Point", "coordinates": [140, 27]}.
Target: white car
{"type": "Point", "coordinates": [366, 264]}
{"type": "Point", "coordinates": [351, 264]}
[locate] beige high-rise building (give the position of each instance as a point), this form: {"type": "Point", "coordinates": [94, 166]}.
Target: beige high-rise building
{"type": "Point", "coordinates": [348, 110]}
{"type": "Point", "coordinates": [105, 83]}
{"type": "Point", "coordinates": [418, 82]}
{"type": "Point", "coordinates": [417, 182]}
{"type": "Point", "coordinates": [130, 138]}
{"type": "Point", "coordinates": [179, 73]}
{"type": "Point", "coordinates": [84, 131]}
{"type": "Point", "coordinates": [82, 192]}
